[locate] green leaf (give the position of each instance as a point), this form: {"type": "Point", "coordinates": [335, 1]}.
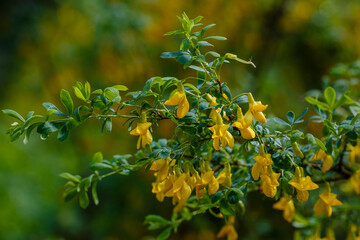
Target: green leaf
{"type": "Point", "coordinates": [13, 114]}
{"type": "Point", "coordinates": [70, 193]}
{"type": "Point", "coordinates": [165, 234]}
{"type": "Point", "coordinates": [79, 94]}
{"type": "Point", "coordinates": [290, 117]}
{"type": "Point", "coordinates": [205, 29]}
{"type": "Point", "coordinates": [83, 199]}
{"type": "Point", "coordinates": [199, 69]}
{"type": "Point", "coordinates": [107, 124]}
{"type": "Point", "coordinates": [70, 177]}
{"type": "Point", "coordinates": [120, 87]}
{"type": "Point", "coordinates": [67, 101]}
{"type": "Point", "coordinates": [192, 87]}
{"type": "Point", "coordinates": [320, 144]}
{"type": "Point", "coordinates": [174, 32]}
{"type": "Point", "coordinates": [320, 105]}
{"type": "Point", "coordinates": [94, 193]}
{"type": "Point", "coordinates": [87, 90]}
{"type": "Point", "coordinates": [330, 96]}
{"type": "Point", "coordinates": [49, 127]}
{"type": "Point", "coordinates": [97, 158]}
{"type": "Point", "coordinates": [280, 121]}
{"type": "Point", "coordinates": [172, 54]}
{"type": "Point", "coordinates": [63, 133]}
{"type": "Point", "coordinates": [110, 93]}
{"type": "Point", "coordinates": [214, 54]}
{"type": "Point", "coordinates": [100, 166]}
{"type": "Point", "coordinates": [97, 91]}
{"type": "Point", "coordinates": [216, 38]}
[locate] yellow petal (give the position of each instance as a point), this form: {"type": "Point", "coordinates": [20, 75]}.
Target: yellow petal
{"type": "Point", "coordinates": [247, 133]}
{"type": "Point", "coordinates": [327, 163]}
{"type": "Point", "coordinates": [213, 186]}
{"type": "Point", "coordinates": [289, 211]}
{"type": "Point", "coordinates": [216, 143]}
{"type": "Point", "coordinates": [302, 196]}
{"type": "Point", "coordinates": [248, 117]}
{"type": "Point", "coordinates": [260, 117]}
{"type": "Point", "coordinates": [319, 155]}
{"type": "Point", "coordinates": [183, 108]}
{"type": "Point", "coordinates": [255, 171]}
{"type": "Point", "coordinates": [319, 207]}
{"type": "Point", "coordinates": [200, 192]}
{"type": "Point", "coordinates": [175, 99]}
{"type": "Point", "coordinates": [157, 165]}
{"type": "Point", "coordinates": [259, 107]}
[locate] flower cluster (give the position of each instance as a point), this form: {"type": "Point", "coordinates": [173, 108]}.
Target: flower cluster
{"type": "Point", "coordinates": [172, 182]}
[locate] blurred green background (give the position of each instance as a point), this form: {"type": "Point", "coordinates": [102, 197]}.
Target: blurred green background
{"type": "Point", "coordinates": [49, 45]}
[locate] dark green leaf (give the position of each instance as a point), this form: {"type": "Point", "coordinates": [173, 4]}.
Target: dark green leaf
{"type": "Point", "coordinates": [63, 133]}
{"type": "Point", "coordinates": [49, 127]}
{"type": "Point", "coordinates": [290, 117]}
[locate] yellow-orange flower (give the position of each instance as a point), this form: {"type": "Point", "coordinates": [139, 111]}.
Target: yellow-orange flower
{"type": "Point", "coordinates": [162, 167]}
{"type": "Point", "coordinates": [220, 134]}
{"type": "Point", "coordinates": [269, 182]}
{"type": "Point", "coordinates": [162, 189]}
{"type": "Point", "coordinates": [142, 130]}
{"type": "Point", "coordinates": [207, 179]}
{"type": "Point", "coordinates": [245, 130]}
{"type": "Point", "coordinates": [302, 184]}
{"type": "Point", "coordinates": [355, 181]}
{"type": "Point", "coordinates": [287, 205]}
{"type": "Point", "coordinates": [224, 178]}
{"type": "Point", "coordinates": [354, 154]}
{"type": "Point", "coordinates": [262, 161]}
{"type": "Point", "coordinates": [255, 110]}
{"type": "Point", "coordinates": [228, 230]}
{"type": "Point", "coordinates": [325, 202]}
{"type": "Point", "coordinates": [181, 191]}
{"type": "Point", "coordinates": [179, 98]}
{"type": "Point", "coordinates": [327, 160]}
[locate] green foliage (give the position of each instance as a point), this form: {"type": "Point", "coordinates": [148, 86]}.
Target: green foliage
{"type": "Point", "coordinates": [192, 147]}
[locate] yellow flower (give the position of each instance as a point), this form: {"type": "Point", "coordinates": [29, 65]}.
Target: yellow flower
{"type": "Point", "coordinates": [354, 153]}
{"type": "Point", "coordinates": [302, 184]}
{"type": "Point", "coordinates": [213, 103]}
{"type": "Point", "coordinates": [269, 182]}
{"type": "Point", "coordinates": [228, 230]}
{"type": "Point", "coordinates": [329, 235]}
{"type": "Point", "coordinates": [245, 130]}
{"type": "Point", "coordinates": [224, 178]}
{"type": "Point", "coordinates": [287, 205]}
{"type": "Point", "coordinates": [207, 179]}
{"type": "Point", "coordinates": [162, 166]}
{"type": "Point", "coordinates": [325, 202]}
{"type": "Point", "coordinates": [179, 98]}
{"type": "Point", "coordinates": [255, 110]}
{"type": "Point", "coordinates": [220, 134]}
{"type": "Point", "coordinates": [162, 189]}
{"type": "Point", "coordinates": [262, 161]}
{"type": "Point", "coordinates": [354, 232]}
{"type": "Point", "coordinates": [181, 191]}
{"type": "Point", "coordinates": [355, 181]}
{"type": "Point", "coordinates": [142, 130]}
{"type": "Point", "coordinates": [327, 160]}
